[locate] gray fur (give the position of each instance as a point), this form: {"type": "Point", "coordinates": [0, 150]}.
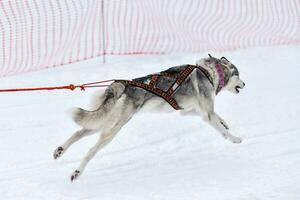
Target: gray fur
{"type": "Point", "coordinates": [120, 102]}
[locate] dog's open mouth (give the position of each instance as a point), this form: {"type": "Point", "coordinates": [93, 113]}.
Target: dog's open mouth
{"type": "Point", "coordinates": [237, 89]}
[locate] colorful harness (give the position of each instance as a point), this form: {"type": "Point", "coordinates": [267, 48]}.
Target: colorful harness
{"type": "Point", "coordinates": [179, 79]}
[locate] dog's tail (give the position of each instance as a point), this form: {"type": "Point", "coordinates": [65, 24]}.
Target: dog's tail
{"type": "Point", "coordinates": [92, 119]}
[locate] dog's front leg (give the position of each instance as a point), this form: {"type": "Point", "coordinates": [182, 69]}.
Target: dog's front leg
{"type": "Point", "coordinates": [215, 121]}
{"type": "Point", "coordinates": [223, 122]}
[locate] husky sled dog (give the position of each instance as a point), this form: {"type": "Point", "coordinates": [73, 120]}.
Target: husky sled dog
{"type": "Point", "coordinates": [191, 89]}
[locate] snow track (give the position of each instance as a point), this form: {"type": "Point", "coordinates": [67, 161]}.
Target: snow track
{"type": "Point", "coordinates": [170, 157]}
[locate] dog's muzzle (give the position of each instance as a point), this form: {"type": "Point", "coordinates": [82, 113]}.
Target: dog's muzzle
{"type": "Point", "coordinates": [238, 88]}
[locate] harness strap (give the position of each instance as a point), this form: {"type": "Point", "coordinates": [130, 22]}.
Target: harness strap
{"type": "Point", "coordinates": [180, 78]}
{"type": "Point", "coordinates": [206, 73]}
{"type": "Point", "coordinates": [155, 91]}
{"type": "Point", "coordinates": [168, 75]}
{"type": "Point", "coordinates": [153, 81]}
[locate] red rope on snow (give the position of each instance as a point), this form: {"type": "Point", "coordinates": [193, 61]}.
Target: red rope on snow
{"type": "Point", "coordinates": [67, 87]}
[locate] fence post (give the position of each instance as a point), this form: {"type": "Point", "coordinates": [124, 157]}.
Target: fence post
{"type": "Point", "coordinates": [103, 31]}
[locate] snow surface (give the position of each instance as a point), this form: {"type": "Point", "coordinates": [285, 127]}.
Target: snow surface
{"type": "Point", "coordinates": [157, 156]}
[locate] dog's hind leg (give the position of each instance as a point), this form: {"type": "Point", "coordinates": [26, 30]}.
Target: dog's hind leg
{"type": "Point", "coordinates": [120, 115]}
{"type": "Point", "coordinates": [102, 141]}
{"type": "Point", "coordinates": [74, 138]}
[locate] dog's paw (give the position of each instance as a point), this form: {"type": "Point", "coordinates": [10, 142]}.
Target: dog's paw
{"type": "Point", "coordinates": [75, 175]}
{"type": "Point", "coordinates": [234, 139]}
{"type": "Point", "coordinates": [58, 152]}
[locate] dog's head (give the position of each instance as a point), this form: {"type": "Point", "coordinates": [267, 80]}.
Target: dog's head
{"type": "Point", "coordinates": [232, 81]}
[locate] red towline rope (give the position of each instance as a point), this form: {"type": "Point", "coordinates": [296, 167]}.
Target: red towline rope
{"type": "Point", "coordinates": [67, 87]}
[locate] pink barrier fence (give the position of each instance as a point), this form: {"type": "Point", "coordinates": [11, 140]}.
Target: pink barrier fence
{"type": "Point", "coordinates": [38, 34]}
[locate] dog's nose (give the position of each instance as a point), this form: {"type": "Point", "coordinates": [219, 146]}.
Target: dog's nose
{"type": "Point", "coordinates": [244, 84]}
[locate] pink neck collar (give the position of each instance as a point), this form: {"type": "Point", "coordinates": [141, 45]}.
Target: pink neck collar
{"type": "Point", "coordinates": [221, 75]}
